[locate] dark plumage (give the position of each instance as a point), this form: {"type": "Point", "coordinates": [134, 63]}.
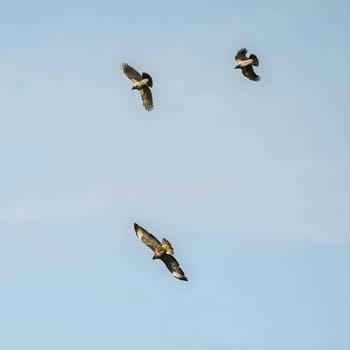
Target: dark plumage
{"type": "Point", "coordinates": [246, 64]}
{"type": "Point", "coordinates": [163, 251]}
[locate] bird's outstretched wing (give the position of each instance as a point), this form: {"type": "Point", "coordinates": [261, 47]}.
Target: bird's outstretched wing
{"type": "Point", "coordinates": [147, 238]}
{"type": "Point", "coordinates": [147, 99]}
{"type": "Point", "coordinates": [173, 266]}
{"type": "Point", "coordinates": [248, 72]}
{"type": "Point", "coordinates": [131, 73]}
{"type": "Point", "coordinates": [241, 55]}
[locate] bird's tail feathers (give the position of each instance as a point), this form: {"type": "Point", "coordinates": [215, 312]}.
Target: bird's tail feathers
{"type": "Point", "coordinates": [147, 76]}
{"type": "Point", "coordinates": [167, 247]}
{"type": "Point", "coordinates": [255, 60]}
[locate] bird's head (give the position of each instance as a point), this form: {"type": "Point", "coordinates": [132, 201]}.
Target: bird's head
{"type": "Point", "coordinates": [237, 67]}
{"type": "Point", "coordinates": [134, 88]}
{"type": "Point", "coordinates": [155, 257]}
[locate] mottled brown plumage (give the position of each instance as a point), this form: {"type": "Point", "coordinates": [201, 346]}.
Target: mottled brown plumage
{"type": "Point", "coordinates": [143, 83]}
{"type": "Point", "coordinates": [163, 251]}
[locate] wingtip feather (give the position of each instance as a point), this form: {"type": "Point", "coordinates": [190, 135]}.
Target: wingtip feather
{"type": "Point", "coordinates": [182, 278]}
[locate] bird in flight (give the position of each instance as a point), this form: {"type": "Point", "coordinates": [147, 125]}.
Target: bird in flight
{"type": "Point", "coordinates": [163, 251]}
{"type": "Point", "coordinates": [143, 83]}
{"type": "Point", "coordinates": [246, 64]}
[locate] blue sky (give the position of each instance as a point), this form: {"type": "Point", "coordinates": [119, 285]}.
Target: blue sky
{"type": "Point", "coordinates": [249, 181]}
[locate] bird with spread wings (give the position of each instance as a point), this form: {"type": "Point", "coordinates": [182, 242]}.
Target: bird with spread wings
{"type": "Point", "coordinates": [246, 64]}
{"type": "Point", "coordinates": [142, 82]}
{"type": "Point", "coordinates": [163, 251]}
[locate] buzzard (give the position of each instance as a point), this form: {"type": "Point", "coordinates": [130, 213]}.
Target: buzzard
{"type": "Point", "coordinates": [246, 64]}
{"type": "Point", "coordinates": [163, 251]}
{"type": "Point", "coordinates": [143, 83]}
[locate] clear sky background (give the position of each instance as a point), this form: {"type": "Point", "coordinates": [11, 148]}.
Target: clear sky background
{"type": "Point", "coordinates": [249, 181]}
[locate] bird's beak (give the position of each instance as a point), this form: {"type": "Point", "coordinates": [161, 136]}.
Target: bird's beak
{"type": "Point", "coordinates": [236, 67]}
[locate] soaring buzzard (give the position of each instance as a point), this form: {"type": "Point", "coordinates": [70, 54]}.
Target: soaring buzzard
{"type": "Point", "coordinates": [246, 64]}
{"type": "Point", "coordinates": [142, 83]}
{"type": "Point", "coordinates": [163, 251]}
